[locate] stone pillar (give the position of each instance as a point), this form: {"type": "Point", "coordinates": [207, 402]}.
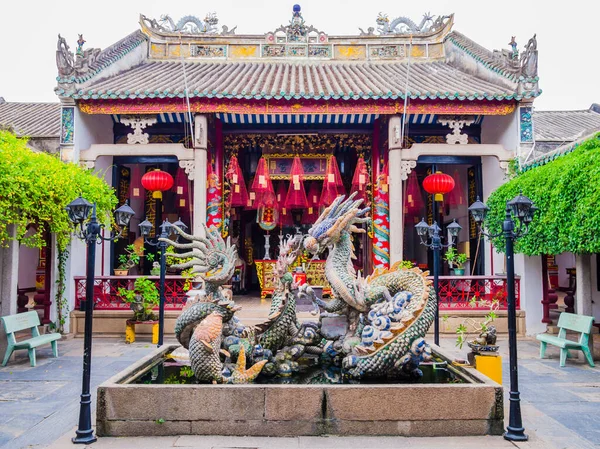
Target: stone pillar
{"type": "Point", "coordinates": [399, 170]}
{"type": "Point", "coordinates": [9, 276]}
{"type": "Point", "coordinates": [200, 165]}
{"type": "Point", "coordinates": [583, 295]}
{"type": "Point", "coordinates": [67, 131]}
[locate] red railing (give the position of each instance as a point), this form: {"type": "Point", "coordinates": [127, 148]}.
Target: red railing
{"type": "Point", "coordinates": [106, 296]}
{"type": "Point", "coordinates": [458, 292]}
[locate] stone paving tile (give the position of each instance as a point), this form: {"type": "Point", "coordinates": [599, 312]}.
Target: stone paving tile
{"type": "Point", "coordinates": [553, 401]}
{"type": "Point", "coordinates": [39, 404]}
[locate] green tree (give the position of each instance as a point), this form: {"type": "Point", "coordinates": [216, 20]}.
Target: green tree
{"type": "Point", "coordinates": [566, 192]}
{"type": "Point", "coordinates": [34, 190]}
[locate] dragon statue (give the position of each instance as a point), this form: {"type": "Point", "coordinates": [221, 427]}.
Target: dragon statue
{"type": "Point", "coordinates": [404, 25]}
{"type": "Point", "coordinates": [387, 314]}
{"type": "Point", "coordinates": [190, 24]}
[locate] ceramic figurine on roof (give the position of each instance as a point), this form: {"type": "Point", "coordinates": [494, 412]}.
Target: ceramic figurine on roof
{"type": "Point", "coordinates": [190, 24]}
{"type": "Point", "coordinates": [69, 64]}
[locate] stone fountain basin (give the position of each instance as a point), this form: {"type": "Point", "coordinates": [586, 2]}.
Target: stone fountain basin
{"type": "Point", "coordinates": [471, 408]}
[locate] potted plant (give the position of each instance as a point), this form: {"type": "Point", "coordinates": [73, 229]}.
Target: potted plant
{"type": "Point", "coordinates": [483, 332]}
{"type": "Point", "coordinates": [142, 299]}
{"type": "Point", "coordinates": [456, 260]}
{"type": "Point", "coordinates": [130, 259]}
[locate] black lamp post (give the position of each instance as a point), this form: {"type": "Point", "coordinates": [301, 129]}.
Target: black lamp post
{"type": "Point", "coordinates": [89, 231]}
{"type": "Point", "coordinates": [522, 209]}
{"type": "Point", "coordinates": [433, 232]}
{"type": "Point", "coordinates": [166, 229]}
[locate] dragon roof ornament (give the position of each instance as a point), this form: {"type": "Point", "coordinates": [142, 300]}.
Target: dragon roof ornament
{"type": "Point", "coordinates": [189, 24]}
{"type": "Point", "coordinates": [404, 25]}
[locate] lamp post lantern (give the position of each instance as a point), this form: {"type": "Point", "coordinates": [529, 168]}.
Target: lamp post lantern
{"type": "Point", "coordinates": [166, 229]}
{"type": "Point", "coordinates": [89, 231]}
{"type": "Point", "coordinates": [522, 211]}
{"type": "Point", "coordinates": [433, 232]}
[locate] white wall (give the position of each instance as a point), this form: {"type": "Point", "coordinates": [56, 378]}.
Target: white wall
{"type": "Point", "coordinates": [501, 129]}
{"type": "Point", "coordinates": [564, 261]}
{"type": "Point", "coordinates": [530, 270]}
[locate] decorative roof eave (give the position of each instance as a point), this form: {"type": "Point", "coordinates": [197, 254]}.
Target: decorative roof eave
{"type": "Point", "coordinates": [560, 151]}
{"type": "Point", "coordinates": [301, 106]}
{"type": "Point", "coordinates": [126, 95]}
{"type": "Point", "coordinates": [104, 58]}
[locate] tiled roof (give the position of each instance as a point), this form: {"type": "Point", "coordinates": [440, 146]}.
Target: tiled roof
{"type": "Point", "coordinates": [564, 126]}
{"type": "Point", "coordinates": [292, 80]}
{"type": "Point", "coordinates": [31, 119]}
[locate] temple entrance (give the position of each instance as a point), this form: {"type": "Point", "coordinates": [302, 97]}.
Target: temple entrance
{"type": "Point", "coordinates": [331, 164]}
{"type": "Point", "coordinates": [466, 172]}
{"type": "Point", "coordinates": [176, 204]}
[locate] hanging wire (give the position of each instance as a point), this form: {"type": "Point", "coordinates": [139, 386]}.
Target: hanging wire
{"type": "Point", "coordinates": [406, 92]}
{"type": "Point", "coordinates": [186, 91]}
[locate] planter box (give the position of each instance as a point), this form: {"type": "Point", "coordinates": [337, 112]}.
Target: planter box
{"type": "Point", "coordinates": [471, 408]}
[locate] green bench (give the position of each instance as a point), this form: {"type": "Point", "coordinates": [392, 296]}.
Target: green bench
{"type": "Point", "coordinates": [571, 322]}
{"type": "Point", "coordinates": [22, 321]}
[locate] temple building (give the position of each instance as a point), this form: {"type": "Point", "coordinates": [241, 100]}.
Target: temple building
{"type": "Point", "coordinates": [261, 131]}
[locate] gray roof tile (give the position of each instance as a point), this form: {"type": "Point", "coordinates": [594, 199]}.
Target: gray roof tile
{"type": "Point", "coordinates": [564, 126]}
{"type": "Point", "coordinates": [285, 79]}
{"type": "Point", "coordinates": [31, 119]}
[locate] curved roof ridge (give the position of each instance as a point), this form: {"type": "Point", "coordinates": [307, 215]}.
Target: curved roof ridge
{"type": "Point", "coordinates": [481, 54]}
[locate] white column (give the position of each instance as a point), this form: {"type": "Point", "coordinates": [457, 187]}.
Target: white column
{"type": "Point", "coordinates": [395, 186]}
{"type": "Point", "coordinates": [200, 164]}
{"type": "Point", "coordinates": [530, 271]}
{"type": "Point", "coordinates": [396, 211]}
{"type": "Point", "coordinates": [583, 295]}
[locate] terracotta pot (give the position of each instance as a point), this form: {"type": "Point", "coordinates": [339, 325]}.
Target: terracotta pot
{"type": "Point", "coordinates": [121, 272]}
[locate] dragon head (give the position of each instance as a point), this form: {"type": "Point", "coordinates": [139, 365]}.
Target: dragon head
{"type": "Point", "coordinates": [336, 220]}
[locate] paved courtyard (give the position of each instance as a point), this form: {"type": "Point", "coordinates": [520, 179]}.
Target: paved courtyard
{"type": "Point", "coordinates": [39, 406]}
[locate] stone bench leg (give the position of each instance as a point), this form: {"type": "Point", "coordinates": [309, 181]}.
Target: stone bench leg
{"type": "Point", "coordinates": [155, 334]}
{"type": "Point", "coordinates": [55, 348]}
{"type": "Point", "coordinates": [130, 333]}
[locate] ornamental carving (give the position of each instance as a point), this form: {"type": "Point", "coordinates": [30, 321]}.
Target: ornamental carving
{"type": "Point", "coordinates": [137, 124]}
{"type": "Point", "coordinates": [208, 51]}
{"type": "Point", "coordinates": [188, 167]}
{"type": "Point", "coordinates": [456, 124]}
{"type": "Point", "coordinates": [297, 39]}
{"type": "Point", "coordinates": [405, 168]}
{"type": "Point", "coordinates": [293, 144]}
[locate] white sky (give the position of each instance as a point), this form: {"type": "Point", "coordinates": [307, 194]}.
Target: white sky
{"type": "Point", "coordinates": [567, 33]}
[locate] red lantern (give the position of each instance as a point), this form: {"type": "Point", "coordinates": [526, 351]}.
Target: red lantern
{"type": "Point", "coordinates": [157, 181]}
{"type": "Point", "coordinates": [359, 180]}
{"type": "Point", "coordinates": [239, 194]}
{"type": "Point", "coordinates": [296, 195]}
{"type": "Point", "coordinates": [261, 185]}
{"type": "Point", "coordinates": [438, 184]}
{"type": "Point", "coordinates": [332, 184]}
